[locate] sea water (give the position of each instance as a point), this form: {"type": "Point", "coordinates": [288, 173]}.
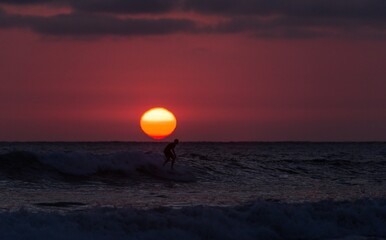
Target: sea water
{"type": "Point", "coordinates": [120, 190]}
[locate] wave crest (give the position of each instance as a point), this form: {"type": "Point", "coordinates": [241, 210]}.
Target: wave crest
{"type": "Point", "coordinates": [28, 165]}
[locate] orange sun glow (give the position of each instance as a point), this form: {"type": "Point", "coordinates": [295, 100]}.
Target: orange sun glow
{"type": "Point", "coordinates": [158, 122]}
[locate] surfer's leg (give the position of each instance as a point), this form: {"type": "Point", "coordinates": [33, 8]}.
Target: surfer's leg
{"type": "Point", "coordinates": [167, 159]}
{"type": "Point", "coordinates": [173, 160]}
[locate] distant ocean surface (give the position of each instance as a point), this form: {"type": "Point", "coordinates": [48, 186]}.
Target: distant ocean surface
{"type": "Point", "coordinates": [119, 190]}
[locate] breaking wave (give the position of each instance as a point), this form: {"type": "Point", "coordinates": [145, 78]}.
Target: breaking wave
{"type": "Point", "coordinates": [31, 166]}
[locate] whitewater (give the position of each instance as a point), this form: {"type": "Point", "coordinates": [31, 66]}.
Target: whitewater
{"type": "Point", "coordinates": [120, 190]}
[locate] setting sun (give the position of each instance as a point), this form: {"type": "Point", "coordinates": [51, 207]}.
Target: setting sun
{"type": "Point", "coordinates": [158, 123]}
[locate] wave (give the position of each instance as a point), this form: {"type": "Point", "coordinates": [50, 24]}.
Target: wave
{"type": "Point", "coordinates": [75, 165]}
{"type": "Point", "coordinates": [27, 165]}
{"type": "Point", "coordinates": [329, 162]}
{"type": "Point", "coordinates": [362, 219]}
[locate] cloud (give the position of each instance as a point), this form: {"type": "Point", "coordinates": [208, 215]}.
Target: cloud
{"type": "Point", "coordinates": [260, 18]}
{"type": "Point", "coordinates": [81, 24]}
{"type": "Point", "coordinates": [297, 18]}
{"type": "Point", "coordinates": [26, 2]}
{"type": "Point", "coordinates": [299, 8]}
{"type": "Point", "coordinates": [316, 8]}
{"type": "Point", "coordinates": [107, 6]}
{"type": "Point", "coordinates": [125, 6]}
{"type": "Point", "coordinates": [95, 25]}
{"type": "Point", "coordinates": [298, 27]}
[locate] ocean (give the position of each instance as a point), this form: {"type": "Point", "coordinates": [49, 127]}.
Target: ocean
{"type": "Point", "coordinates": [237, 190]}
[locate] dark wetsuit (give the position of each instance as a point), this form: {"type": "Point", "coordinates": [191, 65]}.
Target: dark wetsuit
{"type": "Point", "coordinates": [169, 151]}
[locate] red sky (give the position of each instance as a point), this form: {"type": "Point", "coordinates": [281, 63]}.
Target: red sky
{"type": "Point", "coordinates": [59, 84]}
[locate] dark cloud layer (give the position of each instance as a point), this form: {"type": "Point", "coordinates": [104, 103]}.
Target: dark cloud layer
{"type": "Point", "coordinates": [305, 8]}
{"type": "Point", "coordinates": [125, 6]}
{"type": "Point", "coordinates": [26, 2]}
{"type": "Point", "coordinates": [79, 24]}
{"type": "Point", "coordinates": [300, 8]}
{"type": "Point", "coordinates": [83, 25]}
{"type": "Point", "coordinates": [108, 6]}
{"type": "Point", "coordinates": [261, 18]}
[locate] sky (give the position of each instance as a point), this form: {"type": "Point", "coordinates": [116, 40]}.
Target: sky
{"type": "Point", "coordinates": [230, 70]}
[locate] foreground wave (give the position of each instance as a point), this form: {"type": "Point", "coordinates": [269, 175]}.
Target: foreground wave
{"type": "Point", "coordinates": [362, 219]}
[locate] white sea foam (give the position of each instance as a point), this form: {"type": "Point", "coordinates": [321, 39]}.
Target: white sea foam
{"type": "Point", "coordinates": [261, 220]}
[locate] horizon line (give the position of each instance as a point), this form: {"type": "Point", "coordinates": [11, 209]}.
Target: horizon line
{"type": "Point", "coordinates": [201, 141]}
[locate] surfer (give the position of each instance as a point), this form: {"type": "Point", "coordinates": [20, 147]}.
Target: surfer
{"type": "Point", "coordinates": [170, 154]}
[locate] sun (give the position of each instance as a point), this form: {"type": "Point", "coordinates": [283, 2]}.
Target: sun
{"type": "Point", "coordinates": [158, 122]}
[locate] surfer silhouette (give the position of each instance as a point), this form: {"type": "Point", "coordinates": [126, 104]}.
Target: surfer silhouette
{"type": "Point", "coordinates": [170, 154]}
